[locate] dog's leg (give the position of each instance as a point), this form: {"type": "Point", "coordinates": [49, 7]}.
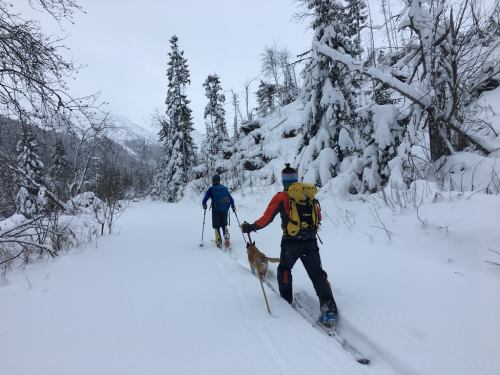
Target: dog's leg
{"type": "Point", "coordinates": [254, 270]}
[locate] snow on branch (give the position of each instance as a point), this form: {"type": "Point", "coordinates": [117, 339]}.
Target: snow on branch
{"type": "Point", "coordinates": [48, 193]}
{"type": "Point", "coordinates": [404, 89]}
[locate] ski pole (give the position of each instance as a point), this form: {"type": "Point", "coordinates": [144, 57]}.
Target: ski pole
{"type": "Point", "coordinates": [260, 279]}
{"type": "Point", "coordinates": [203, 230]}
{"type": "Point", "coordinates": [239, 225]}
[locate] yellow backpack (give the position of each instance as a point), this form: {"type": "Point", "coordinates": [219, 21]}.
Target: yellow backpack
{"type": "Point", "coordinates": [304, 216]}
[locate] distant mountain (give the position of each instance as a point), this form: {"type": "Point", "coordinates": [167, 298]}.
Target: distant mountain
{"type": "Point", "coordinates": [126, 130]}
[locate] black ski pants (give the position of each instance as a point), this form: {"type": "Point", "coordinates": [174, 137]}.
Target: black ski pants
{"type": "Point", "coordinates": [219, 218]}
{"type": "Point", "coordinates": [308, 252]}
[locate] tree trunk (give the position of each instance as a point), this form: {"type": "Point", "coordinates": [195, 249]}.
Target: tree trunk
{"type": "Point", "coordinates": [437, 142]}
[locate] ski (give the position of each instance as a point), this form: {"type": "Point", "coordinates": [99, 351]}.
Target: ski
{"type": "Point", "coordinates": [270, 286]}
{"type": "Point", "coordinates": [225, 249]}
{"type": "Point", "coordinates": [310, 316]}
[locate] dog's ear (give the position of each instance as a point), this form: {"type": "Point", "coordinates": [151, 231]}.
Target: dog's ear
{"type": "Point", "coordinates": [248, 245]}
{"type": "Point", "coordinates": [254, 243]}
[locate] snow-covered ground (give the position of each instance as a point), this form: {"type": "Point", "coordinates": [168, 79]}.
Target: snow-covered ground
{"type": "Point", "coordinates": [150, 300]}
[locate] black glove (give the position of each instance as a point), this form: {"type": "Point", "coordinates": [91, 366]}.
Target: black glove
{"type": "Point", "coordinates": [234, 209]}
{"type": "Point", "coordinates": [246, 227]}
{"type": "Point", "coordinates": [204, 207]}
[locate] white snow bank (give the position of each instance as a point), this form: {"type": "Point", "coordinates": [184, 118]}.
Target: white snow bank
{"type": "Point", "coordinates": [11, 222]}
{"type": "Point", "coordinates": [468, 172]}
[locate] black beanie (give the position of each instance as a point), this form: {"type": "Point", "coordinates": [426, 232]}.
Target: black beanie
{"type": "Point", "coordinates": [216, 179]}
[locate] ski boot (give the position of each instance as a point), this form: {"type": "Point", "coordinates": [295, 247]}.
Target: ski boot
{"type": "Point", "coordinates": [327, 319]}
{"type": "Point", "coordinates": [218, 239]}
{"type": "Point", "coordinates": [227, 237]}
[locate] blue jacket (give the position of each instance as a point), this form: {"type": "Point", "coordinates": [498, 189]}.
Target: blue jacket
{"type": "Point", "coordinates": [208, 194]}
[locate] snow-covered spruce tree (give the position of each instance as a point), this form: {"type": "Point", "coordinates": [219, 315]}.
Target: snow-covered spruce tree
{"type": "Point", "coordinates": [59, 170]}
{"type": "Point", "coordinates": [159, 179]}
{"type": "Point", "coordinates": [30, 198]}
{"type": "Point", "coordinates": [384, 135]}
{"type": "Point", "coordinates": [7, 192]}
{"type": "Point", "coordinates": [289, 89]}
{"type": "Point", "coordinates": [215, 115]}
{"type": "Point", "coordinates": [330, 122]}
{"type": "Point", "coordinates": [266, 98]}
{"type": "Point", "coordinates": [236, 106]}
{"type": "Point", "coordinates": [356, 16]}
{"type": "Point", "coordinates": [209, 152]}
{"type": "Point", "coordinates": [176, 169]}
{"type": "Point", "coordinates": [142, 176]}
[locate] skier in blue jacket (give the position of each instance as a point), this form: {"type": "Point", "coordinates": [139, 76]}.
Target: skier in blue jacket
{"type": "Point", "coordinates": [221, 201]}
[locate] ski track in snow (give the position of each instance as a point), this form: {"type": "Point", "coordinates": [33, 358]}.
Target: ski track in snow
{"type": "Point", "coordinates": [269, 344]}
{"type": "Point", "coordinates": [261, 335]}
{"type": "Point", "coordinates": [271, 278]}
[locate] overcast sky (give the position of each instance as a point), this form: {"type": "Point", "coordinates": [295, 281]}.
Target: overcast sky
{"type": "Point", "coordinates": [125, 45]}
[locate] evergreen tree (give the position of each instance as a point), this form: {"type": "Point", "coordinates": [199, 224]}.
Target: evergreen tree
{"type": "Point", "coordinates": [165, 135]}
{"type": "Point", "coordinates": [59, 170]}
{"type": "Point", "coordinates": [109, 187]}
{"type": "Point", "coordinates": [265, 98]}
{"type": "Point", "coordinates": [330, 123]}
{"type": "Point", "coordinates": [142, 176]}
{"type": "Point", "coordinates": [382, 95]}
{"type": "Point", "coordinates": [290, 89]}
{"type": "Point", "coordinates": [30, 199]}
{"type": "Point", "coordinates": [385, 138]}
{"type": "Point", "coordinates": [180, 151]}
{"type": "Point", "coordinates": [355, 18]}
{"type": "Point", "coordinates": [215, 115]}
{"type": "Point", "coordinates": [210, 151]}
{"type": "Point", "coordinates": [236, 111]}
{"type": "Point", "coordinates": [383, 133]}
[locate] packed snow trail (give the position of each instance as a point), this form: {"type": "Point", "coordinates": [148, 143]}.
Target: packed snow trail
{"type": "Point", "coordinates": [151, 301]}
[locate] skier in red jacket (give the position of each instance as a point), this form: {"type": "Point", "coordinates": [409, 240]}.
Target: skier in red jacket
{"type": "Point", "coordinates": [293, 248]}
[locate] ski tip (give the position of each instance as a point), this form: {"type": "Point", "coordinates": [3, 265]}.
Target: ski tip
{"type": "Point", "coordinates": [363, 361]}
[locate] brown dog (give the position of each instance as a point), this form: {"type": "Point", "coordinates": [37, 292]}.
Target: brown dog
{"type": "Point", "coordinates": [258, 261]}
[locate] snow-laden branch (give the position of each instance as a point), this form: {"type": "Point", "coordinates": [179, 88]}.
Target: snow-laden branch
{"type": "Point", "coordinates": [12, 232]}
{"type": "Point", "coordinates": [404, 89]}
{"type": "Point", "coordinates": [27, 243]}
{"type": "Point", "coordinates": [48, 193]}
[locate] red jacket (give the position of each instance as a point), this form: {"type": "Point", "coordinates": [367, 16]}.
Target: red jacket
{"type": "Point", "coordinates": [279, 204]}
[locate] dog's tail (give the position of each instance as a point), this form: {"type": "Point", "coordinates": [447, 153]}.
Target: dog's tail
{"type": "Point", "coordinates": [272, 260]}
